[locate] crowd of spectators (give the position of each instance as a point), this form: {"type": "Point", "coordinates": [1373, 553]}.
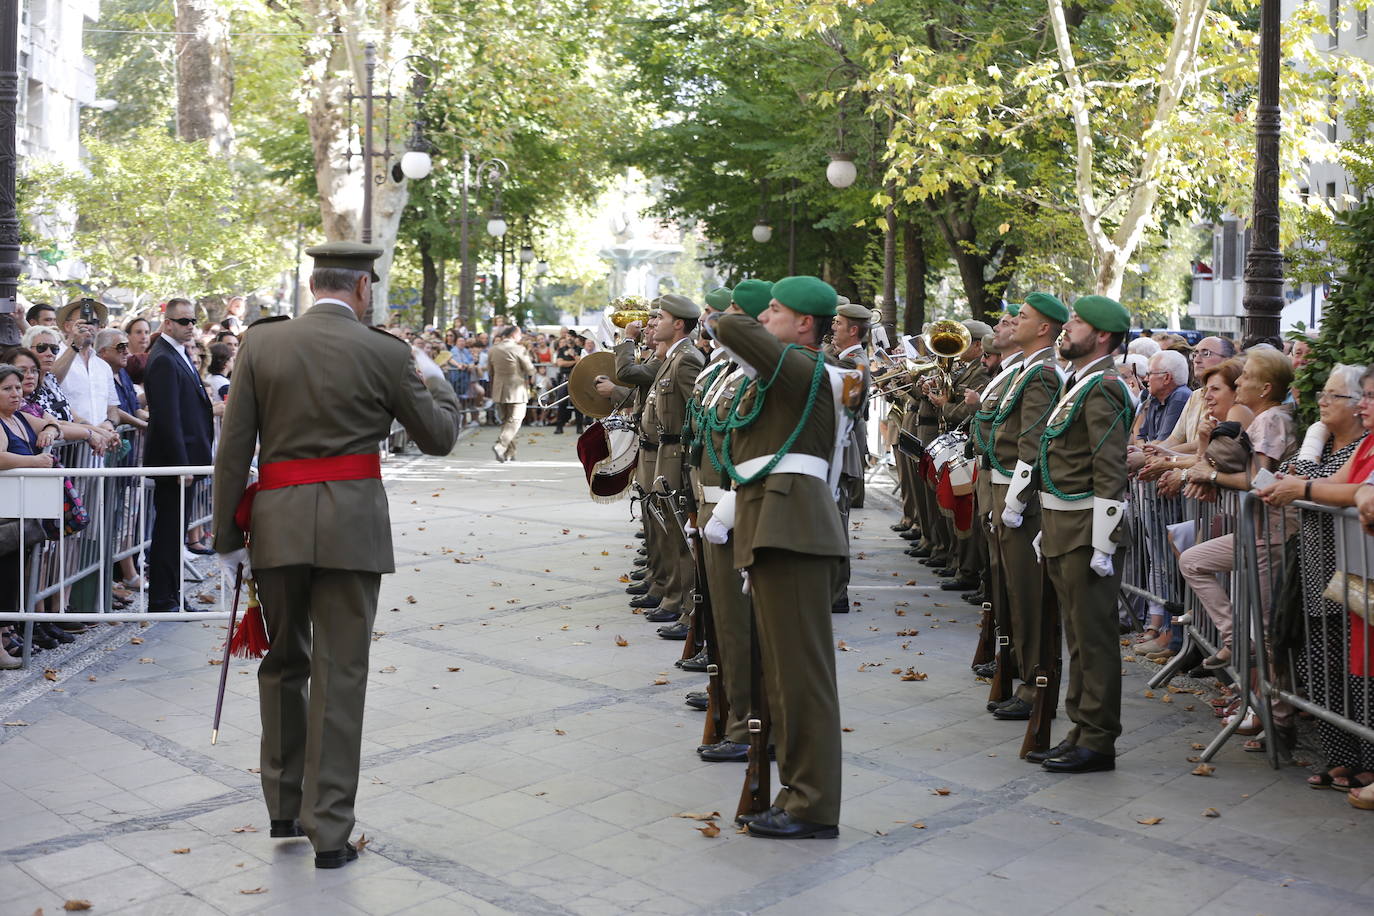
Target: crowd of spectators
{"type": "Point", "coordinates": [1214, 419]}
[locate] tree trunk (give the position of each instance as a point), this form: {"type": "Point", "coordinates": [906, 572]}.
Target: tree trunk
{"type": "Point", "coordinates": [334, 70]}
{"type": "Point", "coordinates": [914, 265]}
{"type": "Point", "coordinates": [205, 76]}
{"type": "Point", "coordinates": [429, 290]}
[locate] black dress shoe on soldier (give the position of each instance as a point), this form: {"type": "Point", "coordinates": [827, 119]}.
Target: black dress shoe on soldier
{"type": "Point", "coordinates": [911, 534]}
{"type": "Point", "coordinates": [986, 669]}
{"type": "Point", "coordinates": [974, 598]}
{"type": "Point", "coordinates": [638, 575]}
{"type": "Point", "coordinates": [994, 704]}
{"type": "Point", "coordinates": [948, 572]}
{"type": "Point", "coordinates": [336, 858]}
{"type": "Point", "coordinates": [677, 631]}
{"type": "Point", "coordinates": [639, 534]}
{"type": "Point", "coordinates": [646, 601]}
{"type": "Point", "coordinates": [662, 615]}
{"type": "Point", "coordinates": [1015, 708]}
{"type": "Point", "coordinates": [958, 585]}
{"type": "Point", "coordinates": [639, 588]}
{"type": "Point", "coordinates": [744, 820]}
{"type": "Point", "coordinates": [934, 562]}
{"type": "Point", "coordinates": [726, 751]}
{"type": "Point", "coordinates": [697, 662]}
{"type": "Point", "coordinates": [1059, 750]}
{"type": "Point", "coordinates": [783, 826]}
{"type": "Point", "coordinates": [698, 700]}
{"type": "Point", "coordinates": [918, 552]}
{"type": "Point", "coordinates": [1080, 760]}
{"type": "Point", "coordinates": [900, 526]}
{"type": "Point", "coordinates": [287, 828]}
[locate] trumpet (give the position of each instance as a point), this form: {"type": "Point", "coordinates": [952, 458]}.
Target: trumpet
{"type": "Point", "coordinates": [946, 340]}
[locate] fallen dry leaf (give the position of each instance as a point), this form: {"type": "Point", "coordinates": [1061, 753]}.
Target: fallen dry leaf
{"type": "Point", "coordinates": [49, 674]}
{"type": "Point", "coordinates": [389, 669]}
{"type": "Point", "coordinates": [843, 646]}
{"type": "Point", "coordinates": [710, 830]}
{"type": "Point", "coordinates": [559, 731]}
{"type": "Point", "coordinates": [451, 668]}
{"type": "Point", "coordinates": [621, 641]}
{"type": "Point", "coordinates": [145, 661]}
{"type": "Point", "coordinates": [940, 791]}
{"type": "Point", "coordinates": [72, 906]}
{"type": "Point", "coordinates": [912, 674]}
{"type": "Point", "coordinates": [911, 632]}
{"type": "Point", "coordinates": [361, 843]}
{"type": "Point", "coordinates": [1204, 769]}
{"type": "Point", "coordinates": [1198, 747]}
{"type": "Point", "coordinates": [698, 817]}
{"type": "Point", "coordinates": [660, 681]}
{"type": "Point", "coordinates": [410, 599]}
{"type": "Point", "coordinates": [919, 826]}
{"type": "Point", "coordinates": [15, 723]}
{"type": "Point", "coordinates": [1167, 698]}
{"type": "Point", "coordinates": [1149, 694]}
{"type": "Point", "coordinates": [246, 828]}
{"type": "Point", "coordinates": [846, 729]}
{"type": "Point", "coordinates": [1211, 812]}
{"type": "Point", "coordinates": [1149, 821]}
{"type": "Point", "coordinates": [623, 578]}
{"type": "Point", "coordinates": [182, 851]}
{"type": "Point", "coordinates": [254, 890]}
{"type": "Point", "coordinates": [214, 661]}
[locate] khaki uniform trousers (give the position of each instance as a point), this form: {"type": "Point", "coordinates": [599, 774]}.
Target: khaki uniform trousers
{"type": "Point", "coordinates": [512, 415]}
{"type": "Point", "coordinates": [730, 610]}
{"type": "Point", "coordinates": [657, 567]}
{"type": "Point", "coordinates": [1022, 574]}
{"type": "Point", "coordinates": [792, 595]}
{"type": "Point", "coordinates": [1087, 605]}
{"type": "Point", "coordinates": [312, 685]}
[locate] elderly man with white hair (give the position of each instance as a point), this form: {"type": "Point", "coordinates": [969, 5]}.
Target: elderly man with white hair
{"type": "Point", "coordinates": [1167, 381]}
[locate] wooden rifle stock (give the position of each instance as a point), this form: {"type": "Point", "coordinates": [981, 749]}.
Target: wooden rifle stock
{"type": "Point", "coordinates": [703, 620]}
{"type": "Point", "coordinates": [756, 798]}
{"type": "Point", "coordinates": [1047, 672]}
{"type": "Point", "coordinates": [987, 641]}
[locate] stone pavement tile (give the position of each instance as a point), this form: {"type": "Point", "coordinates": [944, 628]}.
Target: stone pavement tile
{"type": "Point", "coordinates": [972, 848]}
{"type": "Point", "coordinates": [182, 904]}
{"type": "Point", "coordinates": [1324, 864]}
{"type": "Point", "coordinates": [861, 891]}
{"type": "Point", "coordinates": [631, 896]}
{"type": "Point", "coordinates": [1077, 796]}
{"type": "Point", "coordinates": [508, 809]}
{"type": "Point", "coordinates": [632, 809]}
{"type": "Point", "coordinates": [392, 890]}
{"type": "Point", "coordinates": [1250, 897]}
{"type": "Point", "coordinates": [891, 806]}
{"type": "Point", "coordinates": [76, 864]}
{"type": "Point", "coordinates": [291, 875]}
{"type": "Point", "coordinates": [573, 790]}
{"type": "Point", "coordinates": [455, 791]}
{"type": "Point", "coordinates": [517, 771]}
{"type": "Point", "coordinates": [323, 905]}
{"type": "Point", "coordinates": [455, 903]}
{"type": "Point", "coordinates": [931, 875]}
{"type": "Point", "coordinates": [564, 877]}
{"type": "Point", "coordinates": [35, 828]}
{"type": "Point", "coordinates": [208, 860]}
{"type": "Point", "coordinates": [149, 771]}
{"type": "Point", "coordinates": [631, 853]}
{"type": "Point", "coordinates": [174, 793]}
{"type": "Point", "coordinates": [17, 883]}
{"type": "Point", "coordinates": [945, 906]}
{"type": "Point", "coordinates": [567, 830]}
{"type": "Point", "coordinates": [1158, 884]}
{"type": "Point", "coordinates": [498, 854]}
{"type": "Point", "coordinates": [113, 890]}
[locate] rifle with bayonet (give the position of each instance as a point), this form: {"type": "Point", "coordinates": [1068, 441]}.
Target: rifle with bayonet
{"type": "Point", "coordinates": [1047, 672]}
{"type": "Point", "coordinates": [703, 618]}
{"type": "Point", "coordinates": [672, 516]}
{"type": "Point", "coordinates": [755, 797]}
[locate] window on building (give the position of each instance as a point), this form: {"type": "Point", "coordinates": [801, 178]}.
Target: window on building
{"type": "Point", "coordinates": [1331, 195]}
{"type": "Point", "coordinates": [1361, 22]}
{"type": "Point", "coordinates": [1304, 194]}
{"type": "Point", "coordinates": [1334, 23]}
{"type": "Point", "coordinates": [1333, 125]}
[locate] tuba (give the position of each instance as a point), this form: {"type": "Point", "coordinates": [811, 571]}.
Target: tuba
{"type": "Point", "coordinates": [946, 340]}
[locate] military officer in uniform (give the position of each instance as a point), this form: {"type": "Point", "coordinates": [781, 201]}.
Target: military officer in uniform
{"type": "Point", "coordinates": [937, 536]}
{"type": "Point", "coordinates": [849, 344]}
{"type": "Point", "coordinates": [788, 539]}
{"type": "Point", "coordinates": [672, 388]}
{"type": "Point", "coordinates": [713, 398]}
{"type": "Point", "coordinates": [1020, 418]}
{"type": "Point", "coordinates": [511, 371]}
{"type": "Point", "coordinates": [1083, 480]}
{"type": "Point", "coordinates": [321, 533]}
{"type": "Point", "coordinates": [639, 374]}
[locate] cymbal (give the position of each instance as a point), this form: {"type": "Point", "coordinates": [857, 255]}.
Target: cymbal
{"type": "Point", "coordinates": [582, 384]}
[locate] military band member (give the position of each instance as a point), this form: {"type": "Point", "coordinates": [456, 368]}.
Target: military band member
{"type": "Point", "coordinates": [849, 345]}
{"type": "Point", "coordinates": [321, 532]}
{"type": "Point", "coordinates": [1083, 481]}
{"type": "Point", "coordinates": [713, 398]}
{"type": "Point", "coordinates": [788, 539]}
{"type": "Point", "coordinates": [937, 535]}
{"type": "Point", "coordinates": [1021, 417]}
{"type": "Point", "coordinates": [672, 388]}
{"type": "Point", "coordinates": [639, 374]}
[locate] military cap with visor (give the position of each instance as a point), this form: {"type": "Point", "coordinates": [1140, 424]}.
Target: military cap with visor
{"type": "Point", "coordinates": [679, 306]}
{"type": "Point", "coordinates": [346, 256]}
{"type": "Point", "coordinates": [855, 312]}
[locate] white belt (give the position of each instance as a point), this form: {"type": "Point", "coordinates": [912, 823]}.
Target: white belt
{"type": "Point", "coordinates": [810, 465]}
{"type": "Point", "coordinates": [999, 477]}
{"type": "Point", "coordinates": [712, 495]}
{"type": "Point", "coordinates": [1059, 504]}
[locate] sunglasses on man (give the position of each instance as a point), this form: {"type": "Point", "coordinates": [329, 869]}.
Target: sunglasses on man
{"type": "Point", "coordinates": [46, 348]}
{"type": "Point", "coordinates": [184, 322]}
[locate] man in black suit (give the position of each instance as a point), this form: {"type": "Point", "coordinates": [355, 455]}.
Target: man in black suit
{"type": "Point", "coordinates": [180, 429]}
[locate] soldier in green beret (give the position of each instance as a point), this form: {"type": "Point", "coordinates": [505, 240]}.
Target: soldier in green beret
{"type": "Point", "coordinates": [787, 537]}
{"type": "Point", "coordinates": [1083, 481]}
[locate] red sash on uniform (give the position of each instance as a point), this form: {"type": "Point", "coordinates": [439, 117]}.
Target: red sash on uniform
{"type": "Point", "coordinates": [281, 474]}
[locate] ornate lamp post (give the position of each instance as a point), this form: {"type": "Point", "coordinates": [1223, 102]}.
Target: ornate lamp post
{"type": "Point", "coordinates": [415, 163]}
{"type": "Point", "coordinates": [1264, 263]}
{"type": "Point", "coordinates": [475, 176]}
{"type": "Point", "coordinates": [9, 214]}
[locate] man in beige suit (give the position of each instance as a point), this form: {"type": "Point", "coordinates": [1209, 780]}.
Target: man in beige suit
{"type": "Point", "coordinates": [321, 532]}
{"type": "Point", "coordinates": [511, 370]}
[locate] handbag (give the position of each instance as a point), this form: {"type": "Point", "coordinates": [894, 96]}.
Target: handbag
{"type": "Point", "coordinates": [74, 515]}
{"type": "Point", "coordinates": [1229, 450]}
{"type": "Point", "coordinates": [1352, 591]}
{"type": "Point", "coordinates": [10, 541]}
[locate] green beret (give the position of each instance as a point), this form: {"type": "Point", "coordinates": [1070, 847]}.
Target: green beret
{"type": "Point", "coordinates": [346, 256]}
{"type": "Point", "coordinates": [1013, 309]}
{"type": "Point", "coordinates": [679, 306]}
{"type": "Point", "coordinates": [1049, 306]}
{"type": "Point", "coordinates": [719, 298]}
{"type": "Point", "coordinates": [855, 312]}
{"type": "Point", "coordinates": [753, 296]}
{"type": "Point", "coordinates": [1103, 313]}
{"type": "Point", "coordinates": [808, 295]}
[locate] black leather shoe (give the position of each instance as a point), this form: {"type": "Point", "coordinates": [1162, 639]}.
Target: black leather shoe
{"type": "Point", "coordinates": [336, 858]}
{"type": "Point", "coordinates": [646, 601]}
{"type": "Point", "coordinates": [662, 615]}
{"type": "Point", "coordinates": [726, 752]}
{"type": "Point", "coordinates": [639, 534]}
{"type": "Point", "coordinates": [986, 669]}
{"type": "Point", "coordinates": [783, 826]}
{"type": "Point", "coordinates": [948, 572]}
{"type": "Point", "coordinates": [1080, 760]}
{"type": "Point", "coordinates": [935, 562]}
{"type": "Point", "coordinates": [899, 527]}
{"type": "Point", "coordinates": [698, 700]}
{"type": "Point", "coordinates": [918, 552]}
{"type": "Point", "coordinates": [1015, 708]}
{"type": "Point", "coordinates": [974, 598]}
{"type": "Point", "coordinates": [677, 631]}
{"type": "Point", "coordinates": [639, 588]}
{"type": "Point", "coordinates": [287, 828]}
{"type": "Point", "coordinates": [697, 662]}
{"type": "Point", "coordinates": [1059, 750]}
{"type": "Point", "coordinates": [911, 534]}
{"type": "Point", "coordinates": [958, 585]}
{"type": "Point", "coordinates": [994, 704]}
{"type": "Point", "coordinates": [638, 574]}
{"type": "Point", "coordinates": [52, 631]}
{"type": "Point", "coordinates": [841, 606]}
{"type": "Point", "coordinates": [745, 820]}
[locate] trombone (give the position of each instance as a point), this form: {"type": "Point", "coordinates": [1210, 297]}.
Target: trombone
{"type": "Point", "coordinates": [946, 340]}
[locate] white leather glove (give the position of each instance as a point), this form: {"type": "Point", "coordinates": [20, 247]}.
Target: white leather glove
{"type": "Point", "coordinates": [1101, 564]}
{"type": "Point", "coordinates": [1011, 518]}
{"type": "Point", "coordinates": [229, 562]}
{"type": "Point", "coordinates": [688, 530]}
{"type": "Point", "coordinates": [1035, 545]}
{"type": "Point", "coordinates": [715, 531]}
{"type": "Point", "coordinates": [427, 367]}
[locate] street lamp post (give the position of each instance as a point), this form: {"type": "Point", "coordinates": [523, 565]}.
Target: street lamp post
{"type": "Point", "coordinates": [1264, 263]}
{"type": "Point", "coordinates": [9, 104]}
{"type": "Point", "coordinates": [490, 172]}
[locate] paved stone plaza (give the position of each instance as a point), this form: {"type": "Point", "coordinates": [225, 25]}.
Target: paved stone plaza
{"type": "Point", "coordinates": [518, 760]}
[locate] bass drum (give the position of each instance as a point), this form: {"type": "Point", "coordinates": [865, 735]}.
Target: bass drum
{"type": "Point", "coordinates": [609, 452]}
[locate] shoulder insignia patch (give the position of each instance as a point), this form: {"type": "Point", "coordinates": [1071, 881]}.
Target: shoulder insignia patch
{"type": "Point", "coordinates": [268, 319]}
{"type": "Point", "coordinates": [385, 333]}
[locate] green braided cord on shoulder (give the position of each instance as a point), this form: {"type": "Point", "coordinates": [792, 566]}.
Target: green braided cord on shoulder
{"type": "Point", "coordinates": [692, 424]}
{"type": "Point", "coordinates": [1055, 430]}
{"type": "Point", "coordinates": [1000, 419]}
{"type": "Point", "coordinates": [816, 376]}
{"type": "Point", "coordinates": [1127, 412]}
